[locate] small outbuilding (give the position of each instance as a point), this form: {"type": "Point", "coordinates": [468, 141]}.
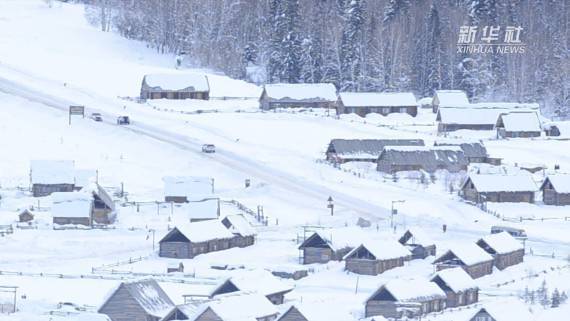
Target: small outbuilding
{"type": "Point", "coordinates": [382, 103]}
{"type": "Point", "coordinates": [175, 86]}
{"type": "Point", "coordinates": [518, 124]}
{"type": "Point", "coordinates": [244, 233]}
{"type": "Point", "coordinates": [449, 98]}
{"type": "Point", "coordinates": [207, 209]}
{"type": "Point", "coordinates": [458, 286]}
{"type": "Point", "coordinates": [181, 189]}
{"type": "Point", "coordinates": [317, 249]}
{"type": "Point", "coordinates": [481, 188]}
{"type": "Point", "coordinates": [556, 189]}
{"type": "Point", "coordinates": [418, 242]}
{"type": "Point", "coordinates": [376, 257]}
{"type": "Point", "coordinates": [505, 249]}
{"type": "Point", "coordinates": [452, 119]}
{"type": "Point", "coordinates": [414, 158]}
{"type": "Point", "coordinates": [363, 150]}
{"type": "Point", "coordinates": [319, 95]}
{"type": "Point", "coordinates": [470, 257]}
{"type": "Point", "coordinates": [103, 210]}
{"type": "Point", "coordinates": [73, 208]}
{"type": "Point", "coordinates": [48, 176]}
{"type": "Point", "coordinates": [293, 314]}
{"type": "Point", "coordinates": [256, 282]}
{"type": "Point", "coordinates": [25, 216]}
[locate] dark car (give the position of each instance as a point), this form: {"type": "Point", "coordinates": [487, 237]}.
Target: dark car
{"type": "Point", "coordinates": [123, 120]}
{"type": "Point", "coordinates": [96, 117]}
{"type": "Point", "coordinates": [208, 148]}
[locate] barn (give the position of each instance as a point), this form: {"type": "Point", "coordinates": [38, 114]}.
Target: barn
{"type": "Point", "coordinates": [48, 176]}
{"type": "Point", "coordinates": [458, 286]}
{"type": "Point", "coordinates": [414, 158]}
{"type": "Point", "coordinates": [480, 188]}
{"type": "Point", "coordinates": [207, 209]}
{"type": "Point", "coordinates": [504, 248]}
{"type": "Point", "coordinates": [363, 150]}
{"type": "Point", "coordinates": [376, 257]}
{"type": "Point", "coordinates": [474, 150]}
{"type": "Point", "coordinates": [319, 95]}
{"type": "Point", "coordinates": [181, 189]}
{"type": "Point", "coordinates": [175, 86]}
{"type": "Point", "coordinates": [518, 124]}
{"type": "Point", "coordinates": [556, 189]}
{"type": "Point", "coordinates": [452, 119]}
{"type": "Point", "coordinates": [399, 298]}
{"type": "Point", "coordinates": [185, 242]}
{"type": "Point", "coordinates": [418, 242]}
{"type": "Point", "coordinates": [470, 257]}
{"type": "Point", "coordinates": [449, 98]}
{"type": "Point", "coordinates": [103, 210]}
{"type": "Point", "coordinates": [244, 233]}
{"type": "Point", "coordinates": [382, 103]}
{"type": "Point", "coordinates": [137, 300]}
{"type": "Point", "coordinates": [72, 208]}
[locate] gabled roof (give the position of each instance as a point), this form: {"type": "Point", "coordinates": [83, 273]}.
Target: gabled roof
{"type": "Point", "coordinates": [177, 81]}
{"type": "Point", "coordinates": [239, 225]}
{"type": "Point", "coordinates": [149, 295]}
{"type": "Point", "coordinates": [320, 91]}
{"type": "Point", "coordinates": [368, 148]}
{"type": "Point", "coordinates": [201, 231]}
{"type": "Point", "coordinates": [516, 311]}
{"type": "Point", "coordinates": [468, 253]}
{"type": "Point", "coordinates": [52, 171]}
{"type": "Point", "coordinates": [456, 279]}
{"type": "Point", "coordinates": [453, 98]}
{"type": "Point", "coordinates": [382, 250]}
{"type": "Point", "coordinates": [470, 148]}
{"type": "Point", "coordinates": [560, 182]}
{"type": "Point", "coordinates": [204, 209]}
{"type": "Point", "coordinates": [238, 307]}
{"type": "Point", "coordinates": [519, 122]}
{"type": "Point", "coordinates": [97, 190]}
{"type": "Point", "coordinates": [372, 99]}
{"type": "Point", "coordinates": [468, 116]}
{"type": "Point", "coordinates": [71, 204]}
{"type": "Point", "coordinates": [193, 187]}
{"type": "Point", "coordinates": [262, 282]}
{"type": "Point", "coordinates": [315, 238]}
{"type": "Point", "coordinates": [501, 243]}
{"type": "Point", "coordinates": [415, 236]}
{"type": "Point", "coordinates": [486, 183]}
{"type": "Point", "coordinates": [413, 290]}
{"type": "Point", "coordinates": [429, 157]}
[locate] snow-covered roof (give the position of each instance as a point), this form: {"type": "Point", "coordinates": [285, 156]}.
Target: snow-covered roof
{"type": "Point", "coordinates": [562, 126]}
{"type": "Point", "coordinates": [502, 183]}
{"type": "Point", "coordinates": [52, 171]}
{"type": "Point", "coordinates": [260, 281]}
{"type": "Point", "coordinates": [417, 236]}
{"type": "Point", "coordinates": [470, 147]}
{"type": "Point", "coordinates": [320, 91]}
{"type": "Point", "coordinates": [502, 243]}
{"type": "Point", "coordinates": [456, 279]}
{"type": "Point", "coordinates": [451, 98]}
{"type": "Point", "coordinates": [178, 81]}
{"type": "Point", "coordinates": [204, 209]}
{"type": "Point", "coordinates": [239, 225]}
{"type": "Point", "coordinates": [430, 158]}
{"type": "Point", "coordinates": [412, 290]}
{"type": "Point", "coordinates": [382, 250]}
{"type": "Point", "coordinates": [425, 101]}
{"type": "Point", "coordinates": [84, 177]}
{"type": "Point", "coordinates": [468, 253]}
{"type": "Point", "coordinates": [516, 311]}
{"type": "Point", "coordinates": [367, 148]}
{"type": "Point", "coordinates": [469, 116]}
{"type": "Point", "coordinates": [150, 296]}
{"type": "Point", "coordinates": [97, 190]}
{"type": "Point", "coordinates": [519, 122]}
{"type": "Point", "coordinates": [505, 105]}
{"type": "Point", "coordinates": [204, 231]}
{"type": "Point", "coordinates": [239, 307]}
{"type": "Point", "coordinates": [352, 99]}
{"type": "Point", "coordinates": [560, 182]}
{"type": "Point", "coordinates": [422, 148]}
{"type": "Point", "coordinates": [71, 204]}
{"type": "Point", "coordinates": [193, 187]}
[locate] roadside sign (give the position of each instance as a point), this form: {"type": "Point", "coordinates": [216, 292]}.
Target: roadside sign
{"type": "Point", "coordinates": [76, 110]}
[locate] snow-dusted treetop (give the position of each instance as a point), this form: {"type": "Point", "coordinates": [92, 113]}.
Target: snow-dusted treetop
{"type": "Point", "coordinates": [326, 92]}
{"type": "Point", "coordinates": [355, 99]}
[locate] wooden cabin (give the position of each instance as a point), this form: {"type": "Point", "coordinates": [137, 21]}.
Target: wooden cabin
{"type": "Point", "coordinates": [175, 86]}
{"type": "Point", "coordinates": [460, 289]}
{"type": "Point", "coordinates": [480, 188]}
{"type": "Point", "coordinates": [449, 98]}
{"type": "Point", "coordinates": [103, 209]}
{"type": "Point", "coordinates": [244, 233]}
{"type": "Point", "coordinates": [376, 257]}
{"type": "Point", "coordinates": [502, 310]}
{"type": "Point", "coordinates": [73, 208]}
{"type": "Point", "coordinates": [255, 282]}
{"type": "Point", "coordinates": [137, 300]}
{"type": "Point", "coordinates": [400, 298]}
{"type": "Point", "coordinates": [418, 243]}
{"type": "Point", "coordinates": [470, 257]}
{"type": "Point", "coordinates": [317, 249]}
{"type": "Point", "coordinates": [298, 96]}
{"type": "Point", "coordinates": [505, 249]}
{"type": "Point", "coordinates": [518, 124]}
{"type": "Point", "coordinates": [25, 216]}
{"type": "Point", "coordinates": [474, 151]}
{"type": "Point", "coordinates": [341, 151]}
{"type": "Point", "coordinates": [452, 119]}
{"type": "Point", "coordinates": [363, 103]}
{"type": "Point", "coordinates": [293, 314]}
{"type": "Point", "coordinates": [203, 210]}
{"type": "Point", "coordinates": [414, 158]}
{"type": "Point", "coordinates": [182, 189]}
{"type": "Point", "coordinates": [188, 241]}
{"type": "Point", "coordinates": [49, 176]}
{"type": "Point", "coordinates": [556, 190]}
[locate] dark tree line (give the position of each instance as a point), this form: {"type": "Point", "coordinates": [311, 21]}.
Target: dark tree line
{"type": "Point", "coordinates": [360, 45]}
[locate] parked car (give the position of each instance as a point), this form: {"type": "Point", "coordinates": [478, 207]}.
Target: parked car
{"type": "Point", "coordinates": [123, 120]}
{"type": "Point", "coordinates": [96, 117]}
{"type": "Point", "coordinates": [208, 148]}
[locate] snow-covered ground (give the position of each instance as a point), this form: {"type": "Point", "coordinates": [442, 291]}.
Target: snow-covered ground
{"type": "Point", "coordinates": [59, 59]}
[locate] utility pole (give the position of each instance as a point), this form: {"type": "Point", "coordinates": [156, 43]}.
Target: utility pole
{"type": "Point", "coordinates": [330, 205]}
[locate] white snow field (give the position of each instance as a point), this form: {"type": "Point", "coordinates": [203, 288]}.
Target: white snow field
{"type": "Point", "coordinates": [51, 58]}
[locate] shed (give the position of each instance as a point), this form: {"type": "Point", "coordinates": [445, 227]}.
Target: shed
{"type": "Point", "coordinates": [244, 233]}
{"type": "Point", "coordinates": [319, 95]}
{"type": "Point", "coordinates": [373, 102]}
{"type": "Point", "coordinates": [103, 210]}
{"type": "Point", "coordinates": [317, 249]}
{"type": "Point", "coordinates": [504, 248]}
{"type": "Point", "coordinates": [556, 189]}
{"type": "Point", "coordinates": [293, 314]}
{"type": "Point", "coordinates": [187, 241]}
{"type": "Point", "coordinates": [71, 208]}
{"type": "Point", "coordinates": [469, 257]}
{"type": "Point", "coordinates": [376, 257]}
{"type": "Point", "coordinates": [430, 159]}
{"type": "Point", "coordinates": [518, 124]}
{"type": "Point", "coordinates": [137, 300]}
{"type": "Point", "coordinates": [449, 98]}
{"type": "Point", "coordinates": [452, 119]}
{"type": "Point", "coordinates": [405, 298]}
{"type": "Point", "coordinates": [480, 188]}
{"type": "Point", "coordinates": [418, 242]}
{"type": "Point", "coordinates": [363, 150]}
{"type": "Point", "coordinates": [474, 150]}
{"type": "Point", "coordinates": [25, 216]}
{"type": "Point", "coordinates": [180, 189]}
{"type": "Point", "coordinates": [458, 286]}
{"type": "Point", "coordinates": [207, 209]}
{"type": "Point", "coordinates": [48, 176]}
{"type": "Point", "coordinates": [175, 86]}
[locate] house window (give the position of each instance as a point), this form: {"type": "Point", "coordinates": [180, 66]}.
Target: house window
{"type": "Point", "coordinates": [386, 110]}
{"type": "Point", "coordinates": [403, 110]}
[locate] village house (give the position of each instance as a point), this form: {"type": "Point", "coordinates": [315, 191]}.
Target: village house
{"type": "Point", "coordinates": [182, 189]}
{"type": "Point", "coordinates": [559, 129]}
{"type": "Point", "coordinates": [255, 282]}
{"type": "Point", "coordinates": [419, 243]}
{"type": "Point", "coordinates": [425, 103]}
{"type": "Point", "coordinates": [318, 249]}
{"type": "Point", "coordinates": [185, 242]}
{"type": "Point", "coordinates": [496, 311]}
{"type": "Point", "coordinates": [449, 98]}
{"type": "Point", "coordinates": [48, 176]}
{"type": "Point", "coordinates": [414, 158]}
{"type": "Point", "coordinates": [405, 298]}
{"type": "Point", "coordinates": [137, 300]}
{"type": "Point", "coordinates": [480, 188]}
{"type": "Point", "coordinates": [207, 209]}
{"type": "Point", "coordinates": [458, 286]}
{"type": "Point", "coordinates": [363, 150]}
{"type": "Point", "coordinates": [103, 209]}
{"type": "Point", "coordinates": [292, 314]}
{"type": "Point", "coordinates": [518, 124]}
{"type": "Point", "coordinates": [474, 150]}
{"type": "Point", "coordinates": [556, 189]}
{"type": "Point", "coordinates": [72, 208]}
{"type": "Point", "coordinates": [453, 119]}
{"type": "Point", "coordinates": [376, 257]}
{"type": "Point", "coordinates": [504, 248]}
{"type": "Point", "coordinates": [244, 233]}
{"type": "Point", "coordinates": [298, 96]}
{"type": "Point", "coordinates": [25, 216]}
{"type": "Point", "coordinates": [470, 257]}
{"type": "Point", "coordinates": [175, 86]}
{"type": "Point", "coordinates": [363, 103]}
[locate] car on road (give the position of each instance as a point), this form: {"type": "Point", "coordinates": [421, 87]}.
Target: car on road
{"type": "Point", "coordinates": [96, 117]}
{"type": "Point", "coordinates": [123, 120]}
{"type": "Point", "coordinates": [208, 148]}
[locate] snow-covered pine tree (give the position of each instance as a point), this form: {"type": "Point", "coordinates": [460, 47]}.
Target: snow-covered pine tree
{"type": "Point", "coordinates": [350, 48]}
{"type": "Point", "coordinates": [291, 43]}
